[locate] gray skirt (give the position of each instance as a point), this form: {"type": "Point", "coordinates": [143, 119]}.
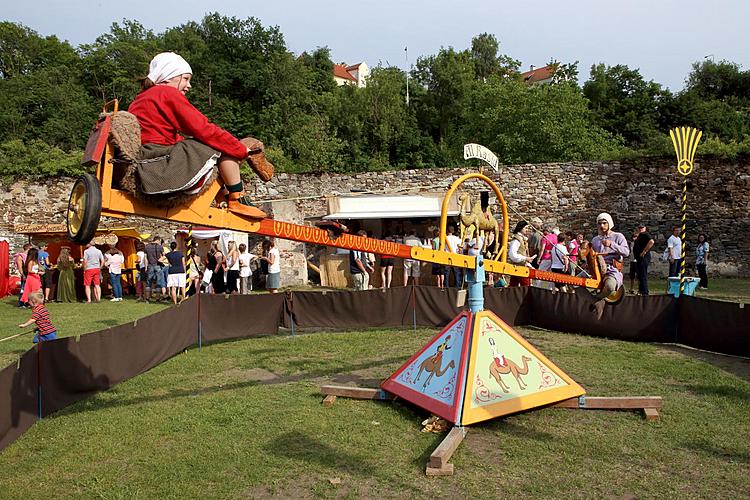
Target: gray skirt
{"type": "Point", "coordinates": [273, 281]}
{"type": "Point", "coordinates": [179, 167]}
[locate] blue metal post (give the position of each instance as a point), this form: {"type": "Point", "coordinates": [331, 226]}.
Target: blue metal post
{"type": "Point", "coordinates": [475, 281]}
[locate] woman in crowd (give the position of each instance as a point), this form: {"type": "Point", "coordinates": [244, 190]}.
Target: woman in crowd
{"type": "Point", "coordinates": [114, 262]}
{"type": "Point", "coordinates": [271, 255]}
{"type": "Point", "coordinates": [701, 259]}
{"type": "Point", "coordinates": [438, 271]}
{"type": "Point", "coordinates": [66, 282]}
{"type": "Point", "coordinates": [33, 278]}
{"type": "Point", "coordinates": [216, 263]}
{"type": "Point", "coordinates": [246, 273]}
{"type": "Point", "coordinates": [233, 268]}
{"type": "Point", "coordinates": [196, 271]}
{"type": "Point", "coordinates": [386, 266]}
{"type": "Point", "coordinates": [176, 276]}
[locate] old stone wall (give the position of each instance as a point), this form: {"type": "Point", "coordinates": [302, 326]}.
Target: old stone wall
{"type": "Point", "coordinates": [567, 195]}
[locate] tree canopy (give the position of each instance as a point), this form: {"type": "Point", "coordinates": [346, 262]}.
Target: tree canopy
{"type": "Point", "coordinates": [247, 81]}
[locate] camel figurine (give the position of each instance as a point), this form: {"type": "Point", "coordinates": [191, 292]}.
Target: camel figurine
{"type": "Point", "coordinates": [473, 219]}
{"type": "Point", "coordinates": [502, 366]}
{"type": "Point", "coordinates": [434, 363]}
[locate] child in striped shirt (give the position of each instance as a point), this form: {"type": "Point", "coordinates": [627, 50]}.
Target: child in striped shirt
{"type": "Point", "coordinates": [40, 315]}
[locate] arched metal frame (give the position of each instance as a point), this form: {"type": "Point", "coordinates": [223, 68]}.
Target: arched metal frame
{"type": "Point", "coordinates": [504, 207]}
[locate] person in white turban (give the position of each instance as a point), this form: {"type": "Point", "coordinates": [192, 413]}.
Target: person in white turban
{"type": "Point", "coordinates": [175, 164]}
{"type": "Point", "coordinates": [614, 248]}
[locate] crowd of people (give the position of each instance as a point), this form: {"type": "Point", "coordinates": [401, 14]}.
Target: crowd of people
{"type": "Point", "coordinates": [546, 248]}
{"type": "Point", "coordinates": [162, 271]}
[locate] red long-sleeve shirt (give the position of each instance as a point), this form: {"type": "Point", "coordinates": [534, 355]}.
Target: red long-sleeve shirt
{"type": "Point", "coordinates": [164, 113]}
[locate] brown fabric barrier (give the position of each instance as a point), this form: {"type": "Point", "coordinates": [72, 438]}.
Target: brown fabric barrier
{"type": "Point", "coordinates": [352, 309]}
{"type": "Point", "coordinates": [18, 398]}
{"type": "Point", "coordinates": [73, 370]}
{"type": "Point", "coordinates": [435, 306]}
{"type": "Point", "coordinates": [240, 315]}
{"type": "Point", "coordinates": [713, 325]}
{"type": "Point", "coordinates": [510, 304]}
{"type": "Point", "coordinates": [646, 319]}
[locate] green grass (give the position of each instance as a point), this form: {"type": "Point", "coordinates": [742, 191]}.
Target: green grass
{"type": "Point", "coordinates": [727, 289]}
{"type": "Point", "coordinates": [244, 419]}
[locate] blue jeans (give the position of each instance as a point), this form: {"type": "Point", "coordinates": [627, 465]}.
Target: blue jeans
{"type": "Point", "coordinates": [114, 280]}
{"type": "Point", "coordinates": [155, 273]}
{"type": "Point", "coordinates": [20, 293]}
{"type": "Point", "coordinates": [675, 267]}
{"type": "Point", "coordinates": [457, 275]}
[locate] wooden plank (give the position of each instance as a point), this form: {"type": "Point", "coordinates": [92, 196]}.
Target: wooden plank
{"type": "Point", "coordinates": [612, 403]}
{"type": "Point", "coordinates": [443, 453]}
{"type": "Point", "coordinates": [348, 391]}
{"type": "Point", "coordinates": [329, 400]}
{"type": "Point", "coordinates": [446, 470]}
{"type": "Point", "coordinates": [652, 414]}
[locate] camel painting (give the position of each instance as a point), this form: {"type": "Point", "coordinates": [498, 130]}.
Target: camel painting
{"type": "Point", "coordinates": [500, 365]}
{"type": "Point", "coordinates": [433, 365]}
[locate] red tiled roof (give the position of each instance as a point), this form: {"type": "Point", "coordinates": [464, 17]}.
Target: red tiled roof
{"type": "Point", "coordinates": [353, 67]}
{"type": "Point", "coordinates": [538, 74]}
{"type": "Point", "coordinates": [339, 71]}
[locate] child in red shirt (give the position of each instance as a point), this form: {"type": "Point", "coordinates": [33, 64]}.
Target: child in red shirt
{"type": "Point", "coordinates": [174, 163]}
{"type": "Point", "coordinates": [40, 315]}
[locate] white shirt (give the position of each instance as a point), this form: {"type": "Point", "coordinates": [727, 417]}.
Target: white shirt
{"type": "Point", "coordinates": [513, 254]}
{"type": "Point", "coordinates": [245, 259]}
{"type": "Point", "coordinates": [276, 266]}
{"type": "Point", "coordinates": [674, 245]}
{"type": "Point", "coordinates": [141, 259]}
{"type": "Point", "coordinates": [453, 243]}
{"type": "Point", "coordinates": [114, 262]}
{"type": "Point", "coordinates": [474, 247]}
{"type": "Point", "coordinates": [558, 253]}
{"type": "Point", "coordinates": [412, 241]}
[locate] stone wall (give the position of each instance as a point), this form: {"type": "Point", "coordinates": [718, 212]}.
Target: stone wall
{"type": "Point", "coordinates": [568, 195]}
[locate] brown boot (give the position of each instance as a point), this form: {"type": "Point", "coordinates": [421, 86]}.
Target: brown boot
{"type": "Point", "coordinates": [239, 204]}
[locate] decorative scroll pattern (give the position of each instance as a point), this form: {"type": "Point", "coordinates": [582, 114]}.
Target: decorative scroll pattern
{"type": "Point", "coordinates": [309, 234]}
{"type": "Point", "coordinates": [408, 374]}
{"type": "Point", "coordinates": [449, 390]}
{"type": "Point", "coordinates": [549, 379]}
{"type": "Point", "coordinates": [482, 393]}
{"type": "Point", "coordinates": [488, 327]}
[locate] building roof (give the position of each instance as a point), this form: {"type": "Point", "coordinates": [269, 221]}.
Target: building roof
{"type": "Point", "coordinates": [340, 71]}
{"type": "Point", "coordinates": [353, 67]}
{"type": "Point", "coordinates": [538, 74]}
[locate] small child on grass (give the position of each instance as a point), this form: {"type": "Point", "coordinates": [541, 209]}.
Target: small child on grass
{"type": "Point", "coordinates": [40, 315]}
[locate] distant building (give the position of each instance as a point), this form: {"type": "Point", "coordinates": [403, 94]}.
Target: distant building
{"type": "Point", "coordinates": [356, 74]}
{"type": "Point", "coordinates": [538, 76]}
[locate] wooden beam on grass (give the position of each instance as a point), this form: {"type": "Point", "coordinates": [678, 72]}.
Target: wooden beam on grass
{"type": "Point", "coordinates": [347, 391]}
{"type": "Point", "coordinates": [329, 400]}
{"type": "Point", "coordinates": [438, 464]}
{"type": "Point", "coordinates": [611, 403]}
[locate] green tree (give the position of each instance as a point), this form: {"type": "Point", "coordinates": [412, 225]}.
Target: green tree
{"type": "Point", "coordinates": [535, 123]}
{"type": "Point", "coordinates": [624, 103]}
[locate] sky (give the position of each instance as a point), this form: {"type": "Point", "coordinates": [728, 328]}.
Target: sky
{"type": "Point", "coordinates": [662, 38]}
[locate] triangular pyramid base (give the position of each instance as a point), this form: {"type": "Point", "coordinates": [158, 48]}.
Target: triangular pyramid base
{"type": "Point", "coordinates": [478, 368]}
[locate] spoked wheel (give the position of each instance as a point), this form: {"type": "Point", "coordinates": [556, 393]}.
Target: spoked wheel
{"type": "Point", "coordinates": [84, 209]}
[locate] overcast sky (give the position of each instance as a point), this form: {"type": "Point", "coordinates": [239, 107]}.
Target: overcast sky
{"type": "Point", "coordinates": [660, 37]}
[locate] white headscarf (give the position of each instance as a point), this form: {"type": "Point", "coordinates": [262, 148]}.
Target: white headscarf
{"type": "Point", "coordinates": [167, 65]}
{"type": "Point", "coordinates": [607, 217]}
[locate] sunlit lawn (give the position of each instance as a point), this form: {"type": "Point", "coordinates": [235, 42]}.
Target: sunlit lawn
{"type": "Point", "coordinates": [244, 419]}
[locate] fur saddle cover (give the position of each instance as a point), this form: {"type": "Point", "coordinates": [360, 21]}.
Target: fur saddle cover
{"type": "Point", "coordinates": [125, 136]}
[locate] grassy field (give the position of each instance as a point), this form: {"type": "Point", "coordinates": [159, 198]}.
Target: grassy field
{"type": "Point", "coordinates": [244, 419]}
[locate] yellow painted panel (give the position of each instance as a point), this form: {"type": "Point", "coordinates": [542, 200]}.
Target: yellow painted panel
{"type": "Point", "coordinates": [507, 374]}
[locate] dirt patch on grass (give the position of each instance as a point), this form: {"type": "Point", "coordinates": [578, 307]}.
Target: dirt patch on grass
{"type": "Point", "coordinates": [735, 365]}
{"type": "Point", "coordinates": [251, 375]}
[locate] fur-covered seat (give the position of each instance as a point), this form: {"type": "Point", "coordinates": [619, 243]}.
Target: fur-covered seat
{"type": "Point", "coordinates": [125, 137]}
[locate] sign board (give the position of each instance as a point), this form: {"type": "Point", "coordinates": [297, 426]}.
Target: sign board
{"type": "Point", "coordinates": [482, 153]}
